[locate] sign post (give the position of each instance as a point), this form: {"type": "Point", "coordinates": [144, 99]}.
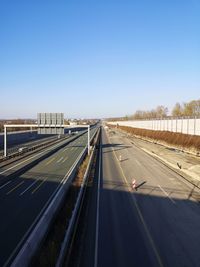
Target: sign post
{"type": "Point", "coordinates": [62, 126]}
{"type": "Point", "coordinates": [88, 139]}
{"type": "Point", "coordinates": [5, 141]}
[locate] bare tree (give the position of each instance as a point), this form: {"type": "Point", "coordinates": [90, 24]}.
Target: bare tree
{"type": "Point", "coordinates": [177, 110]}
{"type": "Point", "coordinates": [192, 108]}
{"type": "Point", "coordinates": [161, 112]}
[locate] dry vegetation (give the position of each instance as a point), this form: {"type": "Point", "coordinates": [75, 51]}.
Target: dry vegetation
{"type": "Point", "coordinates": [182, 141]}
{"type": "Point", "coordinates": [189, 109]}
{"type": "Point", "coordinates": [16, 121]}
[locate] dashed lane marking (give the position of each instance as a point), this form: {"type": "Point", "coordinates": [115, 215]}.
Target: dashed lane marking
{"type": "Point", "coordinates": [20, 163]}
{"type": "Point", "coordinates": [65, 159]}
{"type": "Point", "coordinates": [166, 194]}
{"type": "Point", "coordinates": [5, 184]}
{"type": "Point", "coordinates": [49, 161]}
{"type": "Point", "coordinates": [13, 189]}
{"type": "Point", "coordinates": [60, 159]}
{"type": "Point", "coordinates": [29, 187]}
{"type": "Point", "coordinates": [41, 183]}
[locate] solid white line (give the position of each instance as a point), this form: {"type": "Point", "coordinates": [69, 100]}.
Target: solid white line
{"type": "Point", "coordinates": [5, 184]}
{"type": "Point", "coordinates": [97, 214]}
{"type": "Point", "coordinates": [28, 187]}
{"type": "Point", "coordinates": [166, 194]}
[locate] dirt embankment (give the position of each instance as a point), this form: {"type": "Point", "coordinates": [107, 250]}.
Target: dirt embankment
{"type": "Point", "coordinates": [184, 142]}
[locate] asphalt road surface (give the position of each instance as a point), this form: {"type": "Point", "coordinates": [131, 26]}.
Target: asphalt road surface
{"type": "Point", "coordinates": [23, 197]}
{"type": "Point", "coordinates": [155, 225]}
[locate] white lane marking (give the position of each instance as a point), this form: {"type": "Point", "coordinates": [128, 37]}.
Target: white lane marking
{"type": "Point", "coordinates": [29, 159]}
{"type": "Point", "coordinates": [28, 187]}
{"type": "Point", "coordinates": [40, 184]}
{"type": "Point", "coordinates": [97, 214]}
{"type": "Point", "coordinates": [60, 159]}
{"type": "Point", "coordinates": [65, 159]}
{"type": "Point", "coordinates": [166, 194]}
{"type": "Point", "coordinates": [63, 181]}
{"type": "Point", "coordinates": [138, 162]}
{"type": "Point", "coordinates": [13, 189]}
{"type": "Point", "coordinates": [49, 161]}
{"type": "Point", "coordinates": [5, 184]}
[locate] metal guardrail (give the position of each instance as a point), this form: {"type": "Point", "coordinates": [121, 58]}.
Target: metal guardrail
{"type": "Point", "coordinates": [76, 212]}
{"type": "Point", "coordinates": [27, 149]}
{"type": "Point", "coordinates": [34, 237]}
{"type": "Point", "coordinates": [43, 145]}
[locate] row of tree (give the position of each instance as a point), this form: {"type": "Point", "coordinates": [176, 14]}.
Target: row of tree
{"type": "Point", "coordinates": [191, 108]}
{"type": "Point", "coordinates": [159, 112]}
{"type": "Point", "coordinates": [16, 121]}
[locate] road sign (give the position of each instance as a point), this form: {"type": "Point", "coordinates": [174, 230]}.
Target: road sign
{"type": "Point", "coordinates": [50, 123]}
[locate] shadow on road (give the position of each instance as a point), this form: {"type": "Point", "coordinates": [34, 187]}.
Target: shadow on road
{"type": "Point", "coordinates": [115, 147]}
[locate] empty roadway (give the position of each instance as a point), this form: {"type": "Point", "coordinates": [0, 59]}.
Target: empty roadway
{"type": "Point", "coordinates": [157, 225]}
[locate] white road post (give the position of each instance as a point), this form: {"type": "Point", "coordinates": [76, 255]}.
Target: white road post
{"type": "Point", "coordinates": [5, 141]}
{"type": "Point", "coordinates": [88, 139]}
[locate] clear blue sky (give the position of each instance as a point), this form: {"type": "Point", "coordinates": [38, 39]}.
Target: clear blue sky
{"type": "Point", "coordinates": [97, 58]}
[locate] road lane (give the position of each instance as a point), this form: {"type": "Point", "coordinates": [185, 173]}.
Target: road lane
{"type": "Point", "coordinates": [157, 225]}
{"type": "Point", "coordinates": [24, 197]}
{"type": "Point", "coordinates": [122, 238]}
{"type": "Point", "coordinates": [10, 167]}
{"type": "Point", "coordinates": [168, 205]}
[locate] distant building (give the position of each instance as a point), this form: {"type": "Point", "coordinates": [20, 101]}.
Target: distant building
{"type": "Point", "coordinates": [72, 123]}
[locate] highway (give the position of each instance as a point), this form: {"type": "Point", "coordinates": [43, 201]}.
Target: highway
{"type": "Point", "coordinates": [155, 225]}
{"type": "Point", "coordinates": [14, 148]}
{"type": "Point", "coordinates": [14, 139]}
{"type": "Point", "coordinates": [29, 139]}
{"type": "Point", "coordinates": [24, 197]}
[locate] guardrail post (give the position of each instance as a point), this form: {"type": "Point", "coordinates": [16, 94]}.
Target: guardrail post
{"type": "Point", "coordinates": [5, 141]}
